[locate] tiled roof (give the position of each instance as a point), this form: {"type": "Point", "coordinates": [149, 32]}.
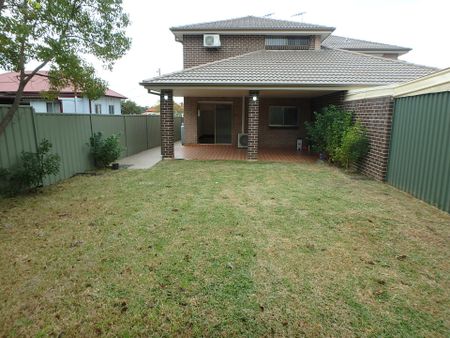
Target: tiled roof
{"type": "Point", "coordinates": [325, 67]}
{"type": "Point", "coordinates": [334, 41]}
{"type": "Point", "coordinates": [252, 23]}
{"type": "Point", "coordinates": [9, 83]}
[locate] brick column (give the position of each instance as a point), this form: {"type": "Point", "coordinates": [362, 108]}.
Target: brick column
{"type": "Point", "coordinates": [167, 129]}
{"type": "Point", "coordinates": [253, 125]}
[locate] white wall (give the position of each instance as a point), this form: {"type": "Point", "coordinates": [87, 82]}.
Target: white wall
{"type": "Point", "coordinates": [105, 102]}
{"type": "Point", "coordinates": [39, 106]}
{"type": "Point", "coordinates": [82, 105]}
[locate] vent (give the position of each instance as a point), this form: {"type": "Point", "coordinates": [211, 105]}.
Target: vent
{"type": "Point", "coordinates": [211, 40]}
{"type": "Point", "coordinates": [242, 140]}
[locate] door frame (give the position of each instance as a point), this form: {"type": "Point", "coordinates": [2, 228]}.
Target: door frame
{"type": "Point", "coordinates": [215, 103]}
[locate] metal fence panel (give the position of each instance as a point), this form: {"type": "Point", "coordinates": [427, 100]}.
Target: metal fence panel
{"type": "Point", "coordinates": [69, 135]}
{"type": "Point", "coordinates": [154, 132]}
{"type": "Point", "coordinates": [177, 126]}
{"type": "Point", "coordinates": [111, 125]}
{"type": "Point", "coordinates": [419, 159]}
{"type": "Point", "coordinates": [136, 134]}
{"type": "Point", "coordinates": [19, 136]}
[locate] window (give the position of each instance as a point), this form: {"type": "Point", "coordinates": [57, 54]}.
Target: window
{"type": "Point", "coordinates": [111, 109]}
{"type": "Point", "coordinates": [283, 116]}
{"type": "Point", "coordinates": [287, 42]}
{"type": "Point", "coordinates": [98, 108]}
{"type": "Point", "coordinates": [53, 107]}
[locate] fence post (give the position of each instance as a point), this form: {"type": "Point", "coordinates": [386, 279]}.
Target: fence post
{"type": "Point", "coordinates": [146, 128]}
{"type": "Point", "coordinates": [36, 140]}
{"type": "Point", "coordinates": [125, 132]}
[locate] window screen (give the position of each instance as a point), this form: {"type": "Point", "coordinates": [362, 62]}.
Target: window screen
{"type": "Point", "coordinates": [287, 42]}
{"type": "Point", "coordinates": [283, 116]}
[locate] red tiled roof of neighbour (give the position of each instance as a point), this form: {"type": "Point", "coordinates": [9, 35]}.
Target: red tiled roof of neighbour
{"type": "Point", "coordinates": [9, 83]}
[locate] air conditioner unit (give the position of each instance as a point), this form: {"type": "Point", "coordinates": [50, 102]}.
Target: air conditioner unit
{"type": "Point", "coordinates": [242, 140]}
{"type": "Point", "coordinates": [211, 40]}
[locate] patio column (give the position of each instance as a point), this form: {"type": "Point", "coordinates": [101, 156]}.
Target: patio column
{"type": "Point", "coordinates": [253, 125]}
{"type": "Point", "coordinates": [167, 128]}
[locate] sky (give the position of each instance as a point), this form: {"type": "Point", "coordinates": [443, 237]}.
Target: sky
{"type": "Point", "coordinates": [423, 25]}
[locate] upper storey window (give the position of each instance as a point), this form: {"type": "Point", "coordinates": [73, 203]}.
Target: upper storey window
{"type": "Point", "coordinates": [288, 42]}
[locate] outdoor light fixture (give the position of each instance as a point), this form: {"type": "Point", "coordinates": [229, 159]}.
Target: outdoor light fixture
{"type": "Point", "coordinates": [166, 97]}
{"type": "Point", "coordinates": [255, 98]}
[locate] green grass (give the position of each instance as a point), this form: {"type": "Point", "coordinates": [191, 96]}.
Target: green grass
{"type": "Point", "coordinates": [193, 248]}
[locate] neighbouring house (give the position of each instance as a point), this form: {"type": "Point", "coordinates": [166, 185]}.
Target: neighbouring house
{"type": "Point", "coordinates": [253, 82]}
{"type": "Point", "coordinates": [68, 100]}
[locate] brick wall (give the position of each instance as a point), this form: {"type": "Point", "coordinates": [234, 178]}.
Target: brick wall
{"type": "Point", "coordinates": [376, 115]}
{"type": "Point", "coordinates": [253, 125]}
{"type": "Point", "coordinates": [167, 124]}
{"type": "Point", "coordinates": [272, 137]}
{"type": "Point", "coordinates": [195, 54]}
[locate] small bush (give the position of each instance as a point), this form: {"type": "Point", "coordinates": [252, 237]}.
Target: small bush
{"type": "Point", "coordinates": [105, 151]}
{"type": "Point", "coordinates": [33, 168]}
{"type": "Point", "coordinates": [326, 132]}
{"type": "Point", "coordinates": [334, 134]}
{"type": "Point", "coordinates": [355, 145]}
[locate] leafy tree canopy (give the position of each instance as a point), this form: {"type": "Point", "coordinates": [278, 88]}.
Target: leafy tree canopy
{"type": "Point", "coordinates": [61, 34]}
{"type": "Point", "coordinates": [131, 107]}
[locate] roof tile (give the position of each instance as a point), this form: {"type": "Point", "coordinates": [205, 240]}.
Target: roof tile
{"type": "Point", "coordinates": [297, 67]}
{"type": "Point", "coordinates": [253, 23]}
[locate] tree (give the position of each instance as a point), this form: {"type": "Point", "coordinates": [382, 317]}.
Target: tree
{"type": "Point", "coordinates": [178, 108]}
{"type": "Point", "coordinates": [61, 34]}
{"type": "Point", "coordinates": [131, 107]}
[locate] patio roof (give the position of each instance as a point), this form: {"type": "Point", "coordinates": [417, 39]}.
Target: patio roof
{"type": "Point", "coordinates": [331, 69]}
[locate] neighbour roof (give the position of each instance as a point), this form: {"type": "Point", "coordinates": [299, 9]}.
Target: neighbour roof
{"type": "Point", "coordinates": [9, 83]}
{"type": "Point", "coordinates": [325, 67]}
{"type": "Point", "coordinates": [334, 41]}
{"type": "Point", "coordinates": [252, 23]}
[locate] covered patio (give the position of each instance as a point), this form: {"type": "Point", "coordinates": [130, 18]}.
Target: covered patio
{"type": "Point", "coordinates": [230, 152]}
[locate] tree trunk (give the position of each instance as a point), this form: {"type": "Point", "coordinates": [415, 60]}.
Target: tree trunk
{"type": "Point", "coordinates": [13, 109]}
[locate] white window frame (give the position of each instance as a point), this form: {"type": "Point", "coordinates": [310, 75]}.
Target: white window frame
{"type": "Point", "coordinates": [56, 108]}
{"type": "Point", "coordinates": [284, 111]}
{"type": "Point", "coordinates": [113, 109]}
{"type": "Point", "coordinates": [98, 111]}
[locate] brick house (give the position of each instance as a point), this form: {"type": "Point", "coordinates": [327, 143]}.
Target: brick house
{"type": "Point", "coordinates": [258, 80]}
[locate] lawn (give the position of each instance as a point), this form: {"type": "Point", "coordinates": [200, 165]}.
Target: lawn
{"type": "Point", "coordinates": [194, 248]}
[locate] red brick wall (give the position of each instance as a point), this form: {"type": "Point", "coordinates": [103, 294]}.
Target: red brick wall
{"type": "Point", "coordinates": [195, 54]}
{"type": "Point", "coordinates": [271, 137]}
{"type": "Point", "coordinates": [376, 115]}
{"type": "Point", "coordinates": [253, 125]}
{"type": "Point", "coordinates": [167, 124]}
{"type": "Point", "coordinates": [268, 136]}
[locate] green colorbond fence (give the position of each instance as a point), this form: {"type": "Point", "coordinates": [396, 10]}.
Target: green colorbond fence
{"type": "Point", "coordinates": [419, 159]}
{"type": "Point", "coordinates": [70, 133]}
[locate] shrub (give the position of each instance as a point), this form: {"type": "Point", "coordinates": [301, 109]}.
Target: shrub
{"type": "Point", "coordinates": [334, 134]}
{"type": "Point", "coordinates": [33, 168]}
{"type": "Point", "coordinates": [355, 145]}
{"type": "Point", "coordinates": [326, 132]}
{"type": "Point", "coordinates": [105, 151]}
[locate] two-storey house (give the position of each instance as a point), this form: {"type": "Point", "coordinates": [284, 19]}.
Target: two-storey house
{"type": "Point", "coordinates": [253, 82]}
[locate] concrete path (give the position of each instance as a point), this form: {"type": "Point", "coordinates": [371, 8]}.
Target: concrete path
{"type": "Point", "coordinates": [143, 160]}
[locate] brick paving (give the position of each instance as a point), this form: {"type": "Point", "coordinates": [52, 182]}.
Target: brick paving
{"type": "Point", "coordinates": [228, 152]}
